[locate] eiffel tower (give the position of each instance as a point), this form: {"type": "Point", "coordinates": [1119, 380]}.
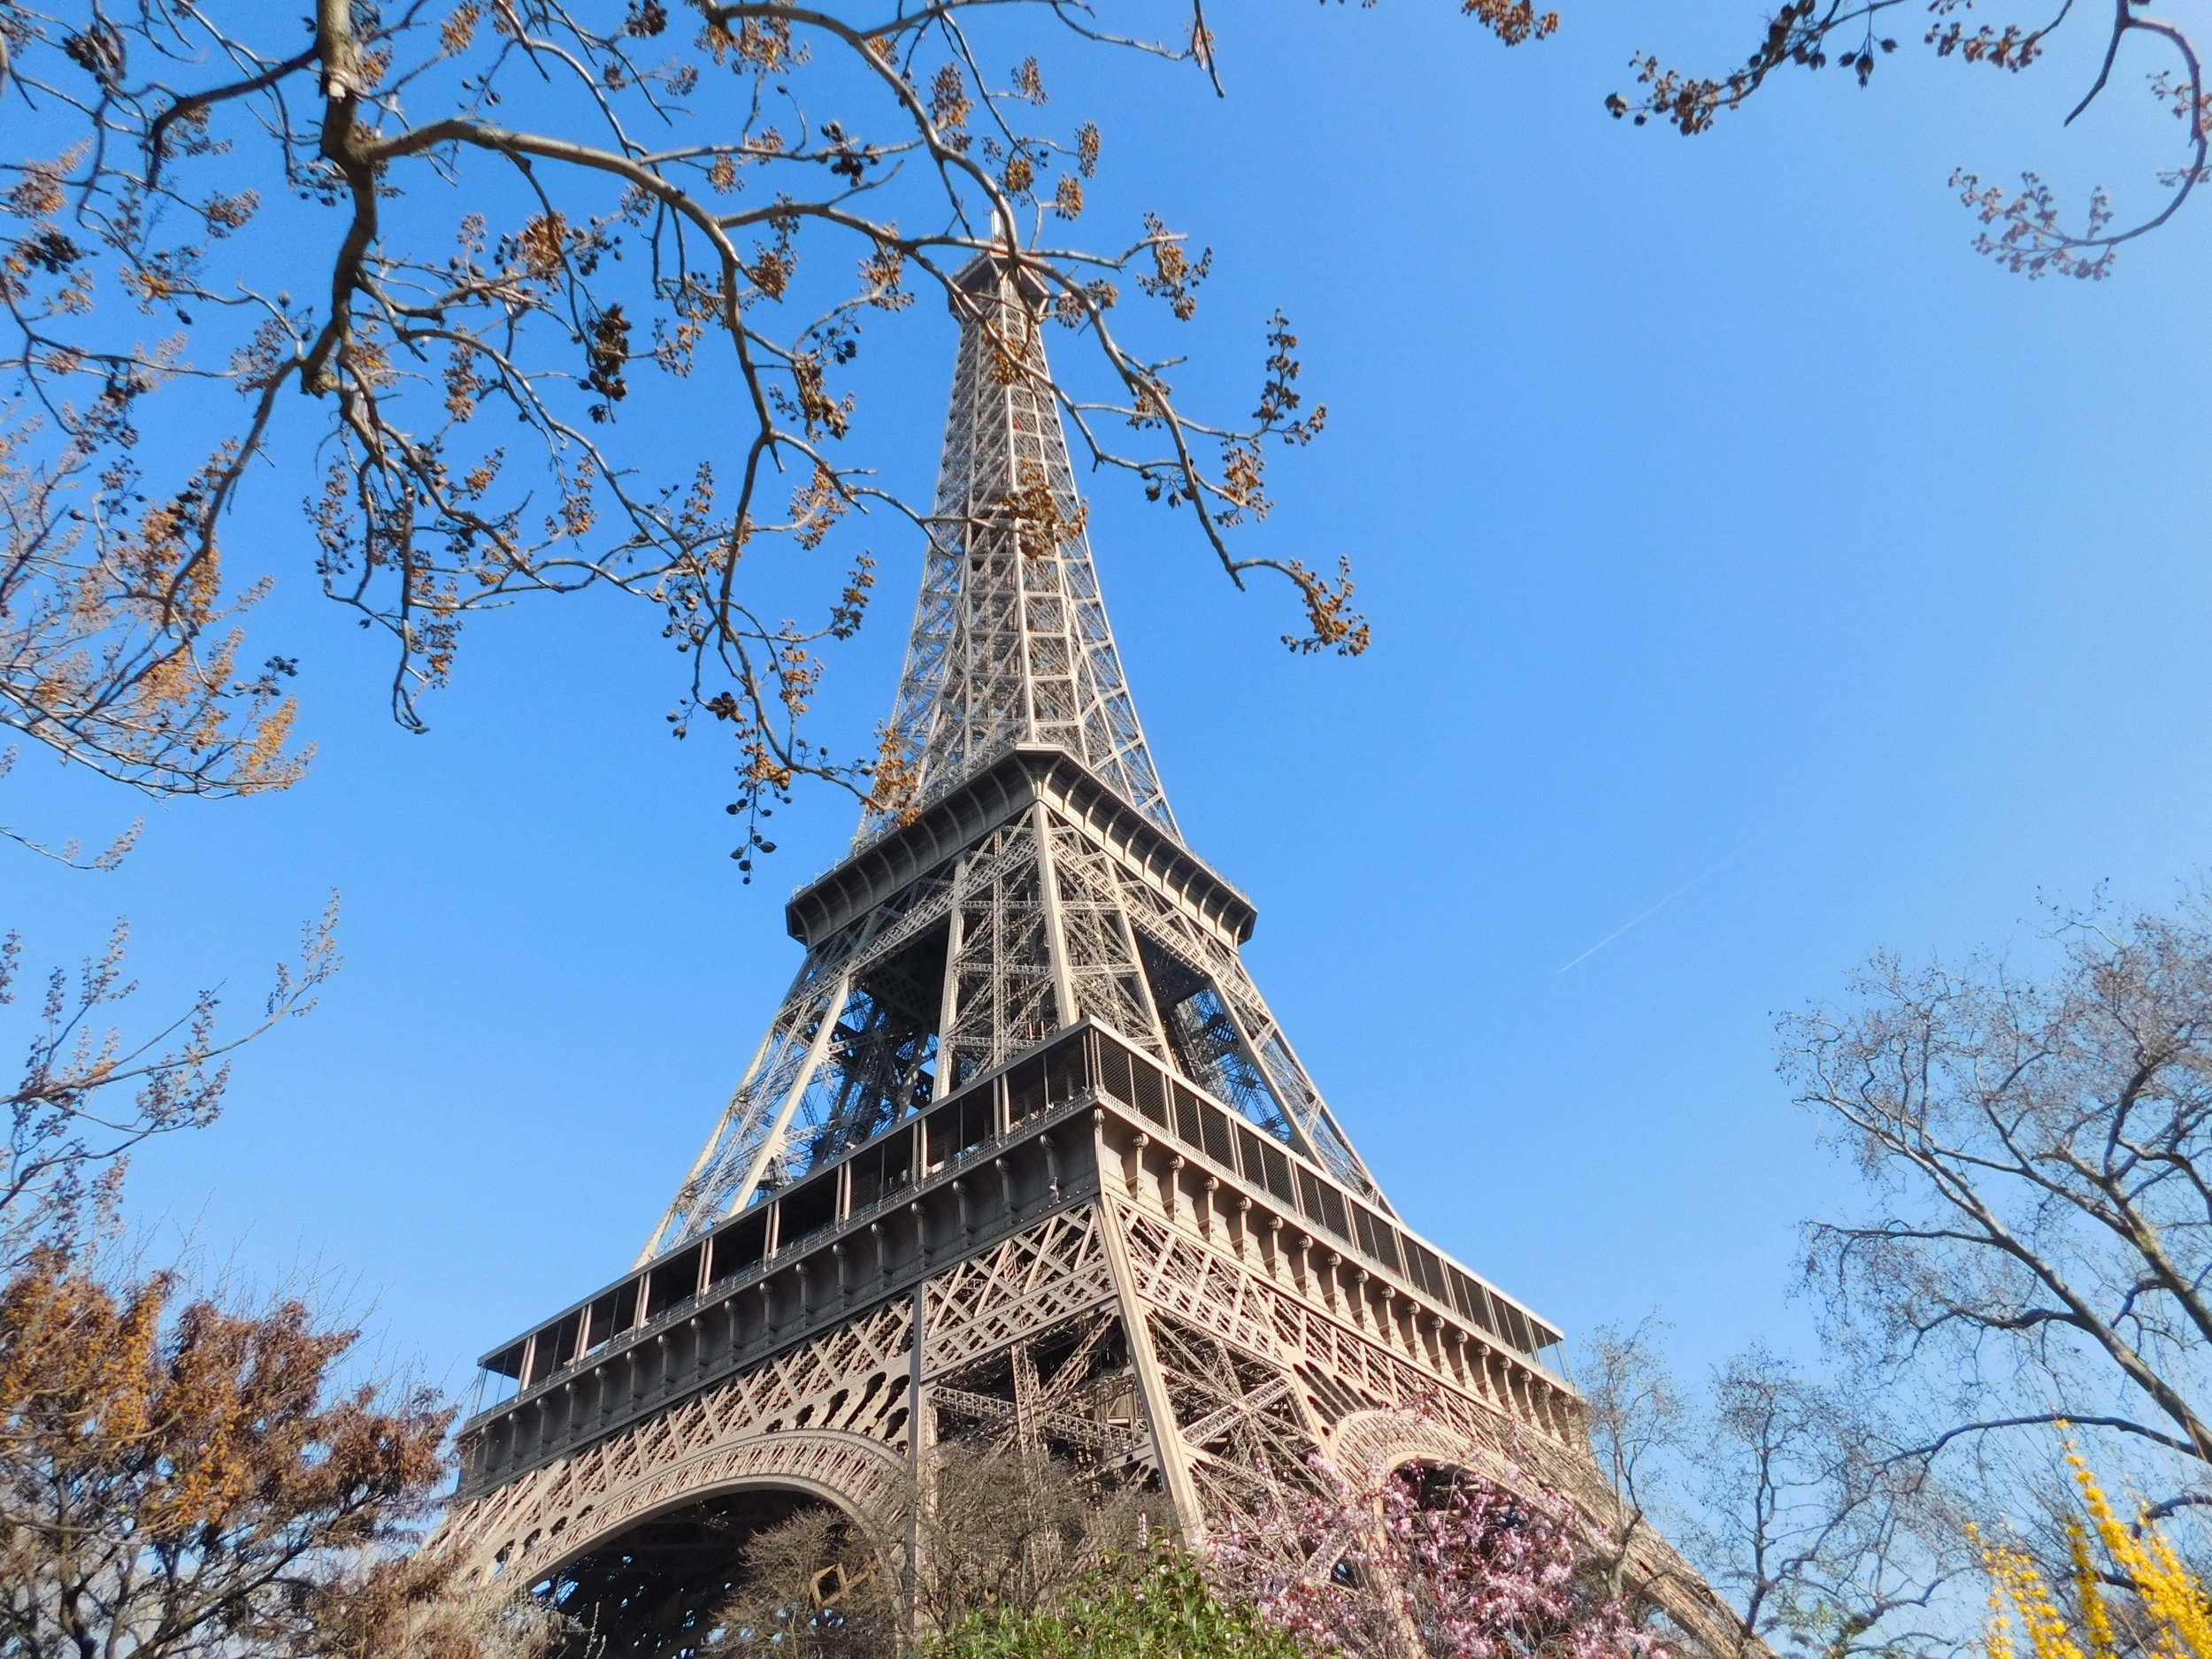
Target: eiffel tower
{"type": "Point", "coordinates": [1024, 1157]}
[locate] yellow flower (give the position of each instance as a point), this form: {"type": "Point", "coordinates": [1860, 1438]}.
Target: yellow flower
{"type": "Point", "coordinates": [2163, 1597]}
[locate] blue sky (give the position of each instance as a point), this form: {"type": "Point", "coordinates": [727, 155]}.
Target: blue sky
{"type": "Point", "coordinates": [1730, 530]}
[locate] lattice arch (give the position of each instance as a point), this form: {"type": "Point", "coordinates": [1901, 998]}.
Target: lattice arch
{"type": "Point", "coordinates": [1367, 1445]}
{"type": "Point", "coordinates": [866, 1480]}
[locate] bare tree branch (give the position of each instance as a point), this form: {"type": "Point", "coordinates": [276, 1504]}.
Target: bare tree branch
{"type": "Point", "coordinates": [2028, 233]}
{"type": "Point", "coordinates": [2038, 1149]}
{"type": "Point", "coordinates": [540, 241]}
{"type": "Point", "coordinates": [88, 1096]}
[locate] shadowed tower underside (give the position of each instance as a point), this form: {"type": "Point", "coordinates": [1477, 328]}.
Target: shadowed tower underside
{"type": "Point", "coordinates": [1024, 1159]}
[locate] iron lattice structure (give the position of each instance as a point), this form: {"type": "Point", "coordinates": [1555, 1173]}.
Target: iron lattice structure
{"type": "Point", "coordinates": [1037, 924]}
{"type": "Point", "coordinates": [1024, 1157]}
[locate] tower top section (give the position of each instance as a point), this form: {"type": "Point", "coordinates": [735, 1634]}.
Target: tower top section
{"type": "Point", "coordinates": [1032, 876]}
{"type": "Point", "coordinates": [1010, 643]}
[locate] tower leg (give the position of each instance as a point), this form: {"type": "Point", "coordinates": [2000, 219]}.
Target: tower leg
{"type": "Point", "coordinates": [1152, 1389]}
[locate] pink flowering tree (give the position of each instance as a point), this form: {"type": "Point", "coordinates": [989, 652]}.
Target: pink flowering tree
{"type": "Point", "coordinates": [1433, 1563]}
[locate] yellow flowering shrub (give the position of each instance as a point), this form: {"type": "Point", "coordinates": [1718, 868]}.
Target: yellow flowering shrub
{"type": "Point", "coordinates": [2162, 1612]}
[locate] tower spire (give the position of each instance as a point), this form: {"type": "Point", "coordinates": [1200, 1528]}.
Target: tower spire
{"type": "Point", "coordinates": [1011, 642]}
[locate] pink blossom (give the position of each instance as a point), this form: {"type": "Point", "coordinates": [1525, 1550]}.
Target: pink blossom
{"type": "Point", "coordinates": [1433, 1563]}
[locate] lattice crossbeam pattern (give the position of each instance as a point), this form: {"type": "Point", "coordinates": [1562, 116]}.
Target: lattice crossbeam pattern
{"type": "Point", "coordinates": [1010, 642]}
{"type": "Point", "coordinates": [1100, 1267]}
{"type": "Point", "coordinates": [1035, 926]}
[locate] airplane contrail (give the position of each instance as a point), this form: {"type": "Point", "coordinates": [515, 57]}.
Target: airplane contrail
{"type": "Point", "coordinates": [1646, 915]}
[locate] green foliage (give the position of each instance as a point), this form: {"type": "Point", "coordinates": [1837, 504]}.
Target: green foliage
{"type": "Point", "coordinates": [1163, 1608]}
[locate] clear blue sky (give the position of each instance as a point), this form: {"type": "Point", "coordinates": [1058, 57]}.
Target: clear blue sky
{"type": "Point", "coordinates": [1720, 515]}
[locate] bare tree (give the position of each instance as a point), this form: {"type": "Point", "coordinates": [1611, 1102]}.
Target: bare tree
{"type": "Point", "coordinates": [2028, 233]}
{"type": "Point", "coordinates": [2034, 1266]}
{"type": "Point", "coordinates": [1785, 1492]}
{"type": "Point", "coordinates": [1830, 1542]}
{"type": "Point", "coordinates": [815, 1589]}
{"type": "Point", "coordinates": [71, 851]}
{"type": "Point", "coordinates": [1638, 1427]}
{"type": "Point", "coordinates": [2036, 1145]}
{"type": "Point", "coordinates": [450, 246]}
{"type": "Point", "coordinates": [109, 659]}
{"type": "Point", "coordinates": [88, 1095]}
{"type": "Point", "coordinates": [996, 1528]}
{"type": "Point", "coordinates": [990, 1529]}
